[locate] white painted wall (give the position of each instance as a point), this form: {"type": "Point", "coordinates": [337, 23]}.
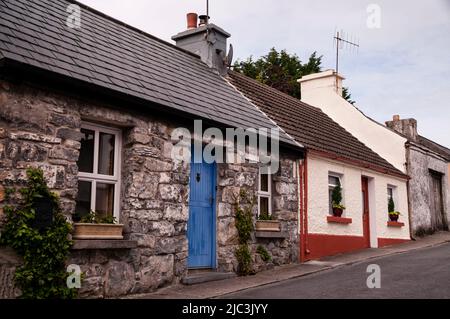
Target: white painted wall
{"type": "Point", "coordinates": [320, 91]}
{"type": "Point", "coordinates": [318, 170]}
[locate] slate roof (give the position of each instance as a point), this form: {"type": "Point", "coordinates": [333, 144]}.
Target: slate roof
{"type": "Point", "coordinates": [435, 147]}
{"type": "Point", "coordinates": [308, 125]}
{"type": "Point", "coordinates": [108, 53]}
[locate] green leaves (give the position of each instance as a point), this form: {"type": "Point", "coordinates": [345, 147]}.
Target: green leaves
{"type": "Point", "coordinates": [391, 205]}
{"type": "Point", "coordinates": [336, 197]}
{"type": "Point", "coordinates": [280, 70]}
{"type": "Point", "coordinates": [265, 256]}
{"type": "Point", "coordinates": [244, 225]}
{"type": "Point", "coordinates": [43, 273]}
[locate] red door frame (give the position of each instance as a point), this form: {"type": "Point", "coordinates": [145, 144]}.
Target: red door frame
{"type": "Point", "coordinates": [366, 210]}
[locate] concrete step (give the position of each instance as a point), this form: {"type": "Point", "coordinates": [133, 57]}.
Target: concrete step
{"type": "Point", "coordinates": [201, 277]}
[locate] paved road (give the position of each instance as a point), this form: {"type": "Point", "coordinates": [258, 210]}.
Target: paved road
{"type": "Point", "coordinates": [423, 273]}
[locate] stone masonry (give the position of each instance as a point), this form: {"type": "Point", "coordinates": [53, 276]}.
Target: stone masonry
{"type": "Point", "coordinates": [39, 128]}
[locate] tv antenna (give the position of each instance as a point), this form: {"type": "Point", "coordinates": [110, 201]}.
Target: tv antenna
{"type": "Point", "coordinates": [342, 41]}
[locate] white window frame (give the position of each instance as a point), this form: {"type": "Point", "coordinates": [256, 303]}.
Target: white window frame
{"type": "Point", "coordinates": [339, 177]}
{"type": "Point", "coordinates": [264, 194]}
{"type": "Point", "coordinates": [94, 177]}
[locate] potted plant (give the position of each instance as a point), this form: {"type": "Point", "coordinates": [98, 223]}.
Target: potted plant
{"type": "Point", "coordinates": [267, 222]}
{"type": "Point", "coordinates": [336, 199]}
{"type": "Point", "coordinates": [393, 215]}
{"type": "Point", "coordinates": [93, 226]}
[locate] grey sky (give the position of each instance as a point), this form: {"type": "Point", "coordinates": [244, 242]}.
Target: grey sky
{"type": "Point", "coordinates": [401, 68]}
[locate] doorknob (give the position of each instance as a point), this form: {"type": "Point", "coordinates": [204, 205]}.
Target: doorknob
{"type": "Point", "coordinates": [198, 177]}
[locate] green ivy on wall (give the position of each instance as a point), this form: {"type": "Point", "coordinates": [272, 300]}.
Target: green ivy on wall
{"type": "Point", "coordinates": [44, 246]}
{"type": "Point", "coordinates": [244, 223]}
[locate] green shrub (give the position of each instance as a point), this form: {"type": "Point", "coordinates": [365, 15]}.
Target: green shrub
{"type": "Point", "coordinates": [265, 256]}
{"type": "Point", "coordinates": [244, 260]}
{"type": "Point", "coordinates": [336, 197]}
{"type": "Point", "coordinates": [244, 205]}
{"type": "Point", "coordinates": [43, 274]}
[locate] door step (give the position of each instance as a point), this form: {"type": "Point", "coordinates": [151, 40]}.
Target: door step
{"type": "Point", "coordinates": [201, 277]}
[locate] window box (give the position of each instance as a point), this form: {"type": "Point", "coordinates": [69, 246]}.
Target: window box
{"type": "Point", "coordinates": [395, 224]}
{"type": "Point", "coordinates": [97, 231]}
{"type": "Point", "coordinates": [339, 220]}
{"type": "Point", "coordinates": [271, 234]}
{"type": "Point", "coordinates": [268, 225]}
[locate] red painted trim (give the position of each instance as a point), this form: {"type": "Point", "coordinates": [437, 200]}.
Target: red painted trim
{"type": "Point", "coordinates": [339, 220]}
{"type": "Point", "coordinates": [395, 224]}
{"type": "Point", "coordinates": [322, 245]}
{"type": "Point", "coordinates": [383, 242]}
{"type": "Point", "coordinates": [358, 163]}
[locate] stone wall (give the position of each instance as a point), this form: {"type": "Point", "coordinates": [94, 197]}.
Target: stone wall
{"type": "Point", "coordinates": [39, 128]}
{"type": "Point", "coordinates": [233, 178]}
{"type": "Point", "coordinates": [420, 161]}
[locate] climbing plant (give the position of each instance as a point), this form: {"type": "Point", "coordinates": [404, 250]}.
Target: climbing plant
{"type": "Point", "coordinates": [244, 205]}
{"type": "Point", "coordinates": [265, 256]}
{"type": "Point", "coordinates": [43, 244]}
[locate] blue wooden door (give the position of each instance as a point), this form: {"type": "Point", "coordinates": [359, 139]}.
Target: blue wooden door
{"type": "Point", "coordinates": [201, 224]}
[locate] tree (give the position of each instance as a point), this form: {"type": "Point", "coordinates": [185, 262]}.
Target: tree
{"type": "Point", "coordinates": [347, 96]}
{"type": "Point", "coordinates": [281, 70]}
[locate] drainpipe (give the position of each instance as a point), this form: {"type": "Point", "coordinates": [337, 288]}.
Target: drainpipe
{"type": "Point", "coordinates": [300, 206]}
{"type": "Point", "coordinates": [305, 196]}
{"type": "Point", "coordinates": [408, 194]}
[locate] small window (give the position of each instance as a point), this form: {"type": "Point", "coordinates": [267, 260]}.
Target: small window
{"type": "Point", "coordinates": [265, 194]}
{"type": "Point", "coordinates": [98, 177]}
{"type": "Point", "coordinates": [391, 198]}
{"type": "Point", "coordinates": [333, 181]}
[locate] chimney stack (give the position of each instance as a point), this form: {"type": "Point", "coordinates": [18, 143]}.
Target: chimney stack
{"type": "Point", "coordinates": [192, 21]}
{"type": "Point", "coordinates": [407, 127]}
{"type": "Point", "coordinates": [322, 82]}
{"type": "Point", "coordinates": [207, 41]}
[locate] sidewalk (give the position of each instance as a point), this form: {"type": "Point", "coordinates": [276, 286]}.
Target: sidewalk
{"type": "Point", "coordinates": [219, 288]}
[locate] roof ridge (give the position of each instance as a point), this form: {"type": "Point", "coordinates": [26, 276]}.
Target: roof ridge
{"type": "Point", "coordinates": [436, 143]}
{"type": "Point", "coordinates": [126, 25]}
{"type": "Point", "coordinates": [275, 90]}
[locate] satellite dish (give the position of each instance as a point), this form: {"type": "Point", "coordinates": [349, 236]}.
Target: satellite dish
{"type": "Point", "coordinates": [229, 57]}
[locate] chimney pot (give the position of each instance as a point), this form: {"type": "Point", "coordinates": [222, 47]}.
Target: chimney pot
{"type": "Point", "coordinates": [192, 20]}
{"type": "Point", "coordinates": [396, 118]}
{"type": "Point", "coordinates": [204, 19]}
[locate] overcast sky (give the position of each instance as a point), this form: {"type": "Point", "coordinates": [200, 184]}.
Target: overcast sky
{"type": "Point", "coordinates": [402, 68]}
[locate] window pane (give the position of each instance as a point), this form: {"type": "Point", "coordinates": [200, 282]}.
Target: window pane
{"type": "Point", "coordinates": [263, 206]}
{"type": "Point", "coordinates": [86, 160]}
{"type": "Point", "coordinates": [390, 193]}
{"type": "Point", "coordinates": [264, 187]}
{"type": "Point", "coordinates": [104, 202]}
{"type": "Point", "coordinates": [333, 180]}
{"type": "Point", "coordinates": [106, 154]}
{"type": "Point", "coordinates": [330, 200]}
{"type": "Point", "coordinates": [83, 206]}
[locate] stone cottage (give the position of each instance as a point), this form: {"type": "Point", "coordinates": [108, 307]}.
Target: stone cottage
{"type": "Point", "coordinates": [335, 157]}
{"type": "Point", "coordinates": [427, 164]}
{"type": "Point", "coordinates": [96, 107]}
